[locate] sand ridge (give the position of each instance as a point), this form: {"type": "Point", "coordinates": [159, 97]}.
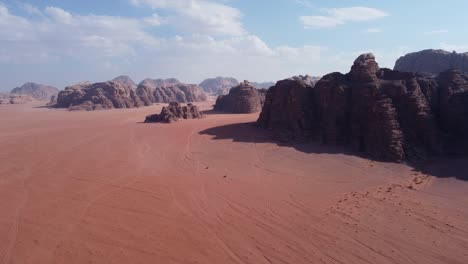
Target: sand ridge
{"type": "Point", "coordinates": [101, 187]}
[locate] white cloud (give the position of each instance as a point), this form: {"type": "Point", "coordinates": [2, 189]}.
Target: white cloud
{"type": "Point", "coordinates": [154, 20]}
{"type": "Point", "coordinates": [96, 47]}
{"type": "Point", "coordinates": [58, 14]}
{"type": "Point", "coordinates": [61, 34]}
{"type": "Point", "coordinates": [437, 32]}
{"type": "Point", "coordinates": [200, 16]}
{"type": "Point", "coordinates": [373, 30]}
{"type": "Point", "coordinates": [339, 16]}
{"type": "Point", "coordinates": [451, 47]}
{"type": "Point", "coordinates": [320, 21]}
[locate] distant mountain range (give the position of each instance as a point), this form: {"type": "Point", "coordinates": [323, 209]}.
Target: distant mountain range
{"type": "Point", "coordinates": [432, 61]}
{"type": "Point", "coordinates": [122, 92]}
{"type": "Point", "coordinates": [219, 85]}
{"type": "Point", "coordinates": [37, 91]}
{"type": "Point", "coordinates": [222, 85]}
{"type": "Point", "coordinates": [8, 98]}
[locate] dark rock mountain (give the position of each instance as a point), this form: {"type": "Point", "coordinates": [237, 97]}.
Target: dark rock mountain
{"type": "Point", "coordinates": [174, 112]}
{"type": "Point", "coordinates": [218, 85]}
{"type": "Point", "coordinates": [166, 91]}
{"type": "Point", "coordinates": [432, 61]}
{"type": "Point", "coordinates": [38, 92]}
{"type": "Point", "coordinates": [287, 109]}
{"type": "Point", "coordinates": [97, 96]}
{"type": "Point", "coordinates": [387, 114]}
{"type": "Point", "coordinates": [244, 98]}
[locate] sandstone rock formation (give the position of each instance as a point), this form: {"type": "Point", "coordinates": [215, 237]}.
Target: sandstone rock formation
{"type": "Point", "coordinates": [432, 61]}
{"type": "Point", "coordinates": [286, 109]}
{"type": "Point", "coordinates": [244, 98]}
{"type": "Point", "coordinates": [166, 91]}
{"type": "Point", "coordinates": [122, 92]}
{"type": "Point", "coordinates": [218, 85]}
{"type": "Point", "coordinates": [8, 98]}
{"type": "Point", "coordinates": [387, 114]}
{"type": "Point", "coordinates": [38, 92]}
{"type": "Point", "coordinates": [97, 96]}
{"type": "Point", "coordinates": [174, 112]}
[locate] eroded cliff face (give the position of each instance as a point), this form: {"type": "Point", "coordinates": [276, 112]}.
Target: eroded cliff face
{"type": "Point", "coordinates": [169, 90]}
{"type": "Point", "coordinates": [244, 98]}
{"type": "Point", "coordinates": [387, 114]}
{"type": "Point", "coordinates": [123, 93]}
{"type": "Point", "coordinates": [97, 96]}
{"type": "Point", "coordinates": [285, 109]}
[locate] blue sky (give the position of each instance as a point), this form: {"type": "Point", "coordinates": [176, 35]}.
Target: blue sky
{"type": "Point", "coordinates": [62, 42]}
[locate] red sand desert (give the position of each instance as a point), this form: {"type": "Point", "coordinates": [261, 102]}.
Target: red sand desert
{"type": "Point", "coordinates": [101, 187]}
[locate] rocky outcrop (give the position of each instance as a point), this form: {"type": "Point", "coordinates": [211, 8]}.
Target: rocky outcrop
{"type": "Point", "coordinates": [174, 112]}
{"type": "Point", "coordinates": [8, 98]}
{"type": "Point", "coordinates": [36, 91]}
{"type": "Point", "coordinates": [123, 93]}
{"type": "Point", "coordinates": [218, 85]}
{"type": "Point", "coordinates": [166, 91]}
{"type": "Point", "coordinates": [432, 61]}
{"type": "Point", "coordinates": [98, 96]}
{"type": "Point", "coordinates": [286, 109]}
{"type": "Point", "coordinates": [52, 102]}
{"type": "Point", "coordinates": [387, 114]}
{"type": "Point", "coordinates": [453, 109]}
{"type": "Point", "coordinates": [244, 98]}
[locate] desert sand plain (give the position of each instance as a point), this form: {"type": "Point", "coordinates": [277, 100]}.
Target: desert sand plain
{"type": "Point", "coordinates": [102, 187]}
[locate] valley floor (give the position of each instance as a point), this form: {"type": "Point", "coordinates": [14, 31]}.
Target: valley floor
{"type": "Point", "coordinates": [102, 187]}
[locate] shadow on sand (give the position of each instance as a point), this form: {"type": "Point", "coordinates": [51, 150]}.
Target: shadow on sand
{"type": "Point", "coordinates": [44, 106]}
{"type": "Point", "coordinates": [249, 133]}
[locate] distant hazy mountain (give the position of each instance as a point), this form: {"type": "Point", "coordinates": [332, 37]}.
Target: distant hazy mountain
{"type": "Point", "coordinates": [432, 61]}
{"type": "Point", "coordinates": [125, 80]}
{"type": "Point", "coordinates": [8, 98]}
{"type": "Point", "coordinates": [153, 83]}
{"type": "Point", "coordinates": [169, 90]}
{"type": "Point", "coordinates": [307, 79]}
{"type": "Point", "coordinates": [262, 85]}
{"type": "Point", "coordinates": [36, 91]}
{"type": "Point", "coordinates": [218, 85]}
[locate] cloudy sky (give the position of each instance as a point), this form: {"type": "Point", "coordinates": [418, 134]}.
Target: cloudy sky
{"type": "Point", "coordinates": [62, 42]}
